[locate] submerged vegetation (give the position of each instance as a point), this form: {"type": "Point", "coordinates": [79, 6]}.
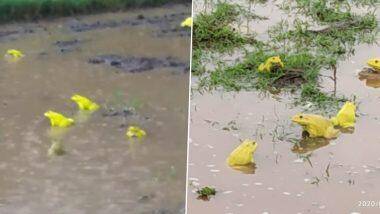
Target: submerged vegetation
{"type": "Point", "coordinates": [322, 33]}
{"type": "Point", "coordinates": [33, 9]}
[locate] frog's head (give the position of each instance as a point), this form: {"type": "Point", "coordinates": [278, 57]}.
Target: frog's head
{"type": "Point", "coordinates": [374, 63]}
{"type": "Point", "coordinates": [249, 145]}
{"type": "Point", "coordinates": [77, 98]}
{"type": "Point", "coordinates": [50, 114]}
{"type": "Point", "coordinates": [302, 119]}
{"type": "Point", "coordinates": [275, 61]}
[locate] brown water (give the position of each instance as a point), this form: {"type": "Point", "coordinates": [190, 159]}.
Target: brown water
{"type": "Point", "coordinates": [101, 172]}
{"type": "Point", "coordinates": [322, 177]}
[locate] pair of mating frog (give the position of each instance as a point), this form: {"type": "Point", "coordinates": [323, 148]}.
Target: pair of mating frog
{"type": "Point", "coordinates": [318, 126]}
{"type": "Point", "coordinates": [314, 125]}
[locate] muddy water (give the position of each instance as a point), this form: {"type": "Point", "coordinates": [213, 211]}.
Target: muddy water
{"type": "Point", "coordinates": [101, 171]}
{"type": "Point", "coordinates": [322, 177]}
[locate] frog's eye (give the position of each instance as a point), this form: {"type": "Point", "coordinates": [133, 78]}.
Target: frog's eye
{"type": "Point", "coordinates": [301, 116]}
{"type": "Point", "coordinates": [376, 61]}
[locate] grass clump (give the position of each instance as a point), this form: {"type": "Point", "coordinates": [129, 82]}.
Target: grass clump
{"type": "Point", "coordinates": [213, 31]}
{"type": "Point", "coordinates": [206, 193]}
{"type": "Point", "coordinates": [336, 40]}
{"type": "Point", "coordinates": [33, 9]}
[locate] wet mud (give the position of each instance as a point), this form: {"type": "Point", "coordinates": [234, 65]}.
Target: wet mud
{"type": "Point", "coordinates": [139, 64]}
{"type": "Point", "coordinates": [165, 25]}
{"type": "Point", "coordinates": [68, 45]}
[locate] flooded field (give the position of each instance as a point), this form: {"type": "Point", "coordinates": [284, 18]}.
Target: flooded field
{"type": "Point", "coordinates": [291, 174]}
{"type": "Point", "coordinates": [98, 56]}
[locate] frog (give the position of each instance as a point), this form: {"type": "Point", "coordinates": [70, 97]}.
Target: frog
{"type": "Point", "coordinates": [316, 125]}
{"type": "Point", "coordinates": [371, 74]}
{"type": "Point", "coordinates": [374, 64]}
{"type": "Point", "coordinates": [270, 64]}
{"type": "Point", "coordinates": [346, 116]}
{"type": "Point", "coordinates": [188, 22]}
{"type": "Point", "coordinates": [84, 103]}
{"type": "Point", "coordinates": [243, 154]}
{"type": "Point", "coordinates": [135, 132]}
{"type": "Point", "coordinates": [59, 120]}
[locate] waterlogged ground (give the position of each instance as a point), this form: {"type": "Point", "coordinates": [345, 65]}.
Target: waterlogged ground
{"type": "Point", "coordinates": [320, 177]}
{"type": "Point", "coordinates": [101, 171]}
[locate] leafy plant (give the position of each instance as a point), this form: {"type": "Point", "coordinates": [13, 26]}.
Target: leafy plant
{"type": "Point", "coordinates": [206, 192]}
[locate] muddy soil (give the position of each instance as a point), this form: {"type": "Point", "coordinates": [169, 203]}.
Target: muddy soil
{"type": "Point", "coordinates": [101, 171]}
{"type": "Point", "coordinates": [165, 25]}
{"type": "Point", "coordinates": [140, 64]}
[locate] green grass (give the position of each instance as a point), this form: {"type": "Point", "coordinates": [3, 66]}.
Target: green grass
{"type": "Point", "coordinates": [206, 193]}
{"type": "Point", "coordinates": [304, 50]}
{"type": "Point", "coordinates": [213, 31]}
{"type": "Point", "coordinates": [33, 9]}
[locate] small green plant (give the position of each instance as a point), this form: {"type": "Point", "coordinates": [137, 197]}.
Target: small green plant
{"type": "Point", "coordinates": [134, 103]}
{"type": "Point", "coordinates": [206, 193]}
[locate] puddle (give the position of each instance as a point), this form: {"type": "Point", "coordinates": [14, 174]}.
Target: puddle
{"type": "Point", "coordinates": [291, 175]}
{"type": "Point", "coordinates": [100, 170]}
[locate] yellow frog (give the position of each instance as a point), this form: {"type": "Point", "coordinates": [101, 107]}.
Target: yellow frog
{"type": "Point", "coordinates": [134, 131]}
{"type": "Point", "coordinates": [346, 116]}
{"type": "Point", "coordinates": [58, 120]}
{"type": "Point", "coordinates": [14, 53]}
{"type": "Point", "coordinates": [374, 64]}
{"type": "Point", "coordinates": [188, 22]}
{"type": "Point", "coordinates": [243, 154]}
{"type": "Point", "coordinates": [270, 64]}
{"type": "Point", "coordinates": [316, 126]}
{"type": "Point", "coordinates": [84, 103]}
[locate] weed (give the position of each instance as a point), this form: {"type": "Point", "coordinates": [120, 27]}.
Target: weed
{"type": "Point", "coordinates": [213, 31]}
{"type": "Point", "coordinates": [205, 193]}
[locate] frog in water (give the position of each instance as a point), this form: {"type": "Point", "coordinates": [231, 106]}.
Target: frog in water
{"type": "Point", "coordinates": [346, 116]}
{"type": "Point", "coordinates": [270, 64]}
{"type": "Point", "coordinates": [374, 64]}
{"type": "Point", "coordinates": [371, 74]}
{"type": "Point", "coordinates": [243, 154]}
{"type": "Point", "coordinates": [316, 125]}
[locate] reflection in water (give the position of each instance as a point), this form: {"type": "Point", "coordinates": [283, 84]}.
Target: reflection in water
{"type": "Point", "coordinates": [57, 133]}
{"type": "Point", "coordinates": [56, 148]}
{"type": "Point", "coordinates": [246, 169]}
{"type": "Point", "coordinates": [371, 78]}
{"type": "Point", "coordinates": [349, 130]}
{"type": "Point", "coordinates": [82, 116]}
{"type": "Point", "coordinates": [308, 144]}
